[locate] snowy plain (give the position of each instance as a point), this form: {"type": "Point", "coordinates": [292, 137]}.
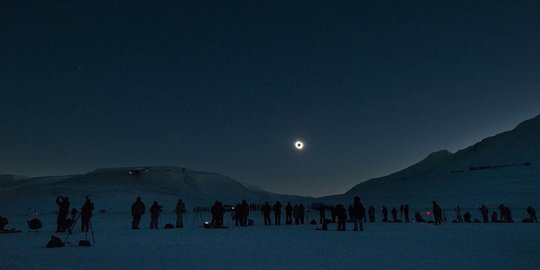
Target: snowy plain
{"type": "Point", "coordinates": [380, 246]}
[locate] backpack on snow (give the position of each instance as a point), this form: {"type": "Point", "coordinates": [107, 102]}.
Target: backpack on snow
{"type": "Point", "coordinates": [55, 242]}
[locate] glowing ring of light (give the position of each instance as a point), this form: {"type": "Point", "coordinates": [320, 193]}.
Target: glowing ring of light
{"type": "Point", "coordinates": [299, 145]}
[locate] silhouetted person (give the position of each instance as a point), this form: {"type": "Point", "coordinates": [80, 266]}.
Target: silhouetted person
{"type": "Point", "coordinates": [401, 209]}
{"type": "Point", "coordinates": [237, 215]}
{"type": "Point", "coordinates": [406, 212]}
{"type": "Point", "coordinates": [437, 213]}
{"type": "Point", "coordinates": [467, 217]}
{"type": "Point", "coordinates": [63, 210]}
{"type": "Point", "coordinates": [358, 213]}
{"type": "Point", "coordinates": [494, 217]}
{"type": "Point", "coordinates": [155, 209]}
{"type": "Point", "coordinates": [277, 213]}
{"type": "Point", "coordinates": [506, 214]}
{"type": "Point", "coordinates": [341, 215]}
{"type": "Point", "coordinates": [301, 211]}
{"type": "Point", "coordinates": [3, 222]}
{"type": "Point", "coordinates": [244, 213]}
{"type": "Point", "coordinates": [86, 214]}
{"type": "Point", "coordinates": [218, 211]}
{"type": "Point", "coordinates": [385, 213]}
{"type": "Point", "coordinates": [288, 213]}
{"type": "Point", "coordinates": [179, 210]}
{"type": "Point", "coordinates": [484, 211]}
{"type": "Point", "coordinates": [296, 214]}
{"type": "Point", "coordinates": [394, 214]}
{"type": "Point", "coordinates": [322, 213]}
{"type": "Point", "coordinates": [532, 214]}
{"type": "Point", "coordinates": [137, 210]}
{"type": "Point", "coordinates": [371, 213]}
{"type": "Point", "coordinates": [265, 209]}
{"type": "Point", "coordinates": [459, 218]}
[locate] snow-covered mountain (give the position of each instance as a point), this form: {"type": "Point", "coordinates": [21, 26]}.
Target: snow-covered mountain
{"type": "Point", "coordinates": [504, 168]}
{"type": "Point", "coordinates": [114, 189]}
{"type": "Point", "coordinates": [11, 177]}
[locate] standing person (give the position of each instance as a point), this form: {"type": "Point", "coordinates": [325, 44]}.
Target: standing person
{"type": "Point", "coordinates": [137, 210]}
{"type": "Point", "coordinates": [277, 213]}
{"type": "Point", "coordinates": [86, 214]}
{"type": "Point", "coordinates": [179, 210]}
{"type": "Point", "coordinates": [532, 214]}
{"type": "Point", "coordinates": [214, 212]}
{"type": "Point", "coordinates": [394, 214]}
{"type": "Point", "coordinates": [406, 211]}
{"type": "Point", "coordinates": [237, 210]}
{"type": "Point", "coordinates": [296, 214]}
{"type": "Point", "coordinates": [63, 210]}
{"type": "Point", "coordinates": [301, 213]}
{"type": "Point", "coordinates": [371, 213]}
{"type": "Point", "coordinates": [401, 210]}
{"type": "Point", "coordinates": [385, 213]}
{"type": "Point", "coordinates": [484, 211]}
{"type": "Point", "coordinates": [458, 215]}
{"type": "Point", "coordinates": [322, 213]}
{"type": "Point", "coordinates": [437, 213]}
{"type": "Point", "coordinates": [265, 209]}
{"type": "Point", "coordinates": [155, 209]}
{"type": "Point", "coordinates": [341, 214]}
{"type": "Point", "coordinates": [288, 213]}
{"type": "Point", "coordinates": [244, 212]}
{"type": "Point", "coordinates": [358, 213]}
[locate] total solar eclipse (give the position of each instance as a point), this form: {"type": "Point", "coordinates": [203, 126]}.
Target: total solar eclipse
{"type": "Point", "coordinates": [299, 145]}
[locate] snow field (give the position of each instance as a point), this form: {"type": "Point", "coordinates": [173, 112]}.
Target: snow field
{"type": "Point", "coordinates": [380, 246]}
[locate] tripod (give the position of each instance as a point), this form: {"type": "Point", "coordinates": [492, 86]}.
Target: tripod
{"type": "Point", "coordinates": [70, 229]}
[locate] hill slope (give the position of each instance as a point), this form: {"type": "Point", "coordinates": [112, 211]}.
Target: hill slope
{"type": "Point", "coordinates": [504, 168]}
{"type": "Point", "coordinates": [114, 189]}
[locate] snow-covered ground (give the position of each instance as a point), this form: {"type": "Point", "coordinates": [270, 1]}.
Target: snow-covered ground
{"type": "Point", "coordinates": [380, 246]}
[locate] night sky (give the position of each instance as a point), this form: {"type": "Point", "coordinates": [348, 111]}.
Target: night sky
{"type": "Point", "coordinates": [228, 86]}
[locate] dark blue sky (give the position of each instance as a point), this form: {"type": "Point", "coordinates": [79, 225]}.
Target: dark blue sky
{"type": "Point", "coordinates": [227, 86]}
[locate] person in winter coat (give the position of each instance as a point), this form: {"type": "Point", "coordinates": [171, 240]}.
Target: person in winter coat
{"type": "Point", "coordinates": [385, 213]}
{"type": "Point", "coordinates": [301, 212]}
{"type": "Point", "coordinates": [244, 210]}
{"type": "Point", "coordinates": [63, 210]}
{"type": "Point", "coordinates": [437, 213]}
{"type": "Point", "coordinates": [371, 213]}
{"type": "Point", "coordinates": [358, 213]}
{"type": "Point", "coordinates": [86, 214]}
{"type": "Point", "coordinates": [322, 213]}
{"type": "Point", "coordinates": [218, 211]}
{"type": "Point", "coordinates": [458, 215]}
{"type": "Point", "coordinates": [266, 209]}
{"type": "Point", "coordinates": [179, 210]}
{"type": "Point", "coordinates": [137, 210]}
{"type": "Point", "coordinates": [406, 212]}
{"type": "Point", "coordinates": [394, 214]}
{"type": "Point", "coordinates": [532, 214]}
{"type": "Point", "coordinates": [341, 215]}
{"type": "Point", "coordinates": [277, 213]}
{"type": "Point", "coordinates": [288, 213]}
{"type": "Point", "coordinates": [155, 209]}
{"type": "Point", "coordinates": [484, 211]}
